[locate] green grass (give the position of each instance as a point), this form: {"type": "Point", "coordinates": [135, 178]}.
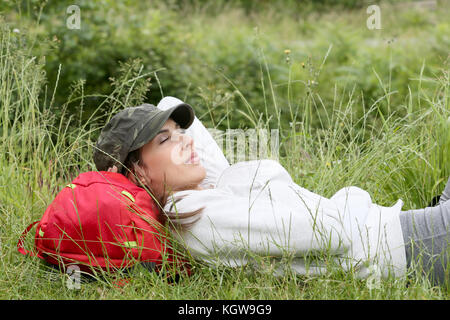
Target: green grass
{"type": "Point", "coordinates": [391, 149]}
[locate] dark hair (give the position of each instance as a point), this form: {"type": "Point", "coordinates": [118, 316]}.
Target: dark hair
{"type": "Point", "coordinates": [176, 220]}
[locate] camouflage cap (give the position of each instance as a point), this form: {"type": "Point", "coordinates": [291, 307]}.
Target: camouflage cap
{"type": "Point", "coordinates": [132, 128]}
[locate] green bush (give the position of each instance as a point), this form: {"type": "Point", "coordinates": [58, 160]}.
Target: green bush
{"type": "Point", "coordinates": [221, 62]}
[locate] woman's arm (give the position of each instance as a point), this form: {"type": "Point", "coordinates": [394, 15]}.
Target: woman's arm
{"type": "Point", "coordinates": [233, 225]}
{"type": "Point", "coordinates": [446, 193]}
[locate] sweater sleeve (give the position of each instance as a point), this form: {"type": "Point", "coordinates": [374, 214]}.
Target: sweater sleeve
{"type": "Point", "coordinates": [233, 227]}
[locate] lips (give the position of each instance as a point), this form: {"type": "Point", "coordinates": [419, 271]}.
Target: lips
{"type": "Point", "coordinates": [193, 159]}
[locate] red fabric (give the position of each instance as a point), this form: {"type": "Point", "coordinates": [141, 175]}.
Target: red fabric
{"type": "Point", "coordinates": [91, 223]}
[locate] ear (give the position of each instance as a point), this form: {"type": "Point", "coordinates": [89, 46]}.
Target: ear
{"type": "Point", "coordinates": [141, 175]}
{"type": "Point", "coordinates": [131, 177]}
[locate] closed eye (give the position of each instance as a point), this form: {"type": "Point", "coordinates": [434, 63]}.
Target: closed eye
{"type": "Point", "coordinates": [177, 127]}
{"type": "Point", "coordinates": [164, 139]}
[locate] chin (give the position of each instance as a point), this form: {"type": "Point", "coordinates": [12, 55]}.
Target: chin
{"type": "Point", "coordinates": [193, 172]}
{"type": "Point", "coordinates": [203, 173]}
{"type": "Point", "coordinates": [200, 174]}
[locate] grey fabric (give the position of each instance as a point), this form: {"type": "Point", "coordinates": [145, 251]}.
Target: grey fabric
{"type": "Point", "coordinates": [426, 233]}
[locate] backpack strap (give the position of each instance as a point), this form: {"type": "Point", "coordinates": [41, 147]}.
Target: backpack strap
{"type": "Point", "coordinates": [21, 244]}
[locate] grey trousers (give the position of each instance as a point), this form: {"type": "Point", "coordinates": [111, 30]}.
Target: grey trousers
{"type": "Point", "coordinates": [426, 233]}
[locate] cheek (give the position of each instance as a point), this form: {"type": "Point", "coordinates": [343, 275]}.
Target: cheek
{"type": "Point", "coordinates": [167, 164]}
{"type": "Point", "coordinates": [177, 155]}
{"type": "Point", "coordinates": [167, 161]}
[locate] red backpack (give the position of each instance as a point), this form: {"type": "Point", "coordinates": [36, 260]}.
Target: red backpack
{"type": "Point", "coordinates": [101, 220]}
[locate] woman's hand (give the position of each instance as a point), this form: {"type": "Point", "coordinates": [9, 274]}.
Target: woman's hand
{"type": "Point", "coordinates": [112, 169]}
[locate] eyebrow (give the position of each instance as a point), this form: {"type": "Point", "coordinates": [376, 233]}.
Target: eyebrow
{"type": "Point", "coordinates": [162, 131]}
{"type": "Point", "coordinates": [167, 130]}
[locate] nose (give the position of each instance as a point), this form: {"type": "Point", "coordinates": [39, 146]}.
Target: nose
{"type": "Point", "coordinates": [188, 141]}
{"type": "Point", "coordinates": [185, 140]}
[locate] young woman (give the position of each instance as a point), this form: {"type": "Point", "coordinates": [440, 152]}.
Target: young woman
{"type": "Point", "coordinates": [225, 214]}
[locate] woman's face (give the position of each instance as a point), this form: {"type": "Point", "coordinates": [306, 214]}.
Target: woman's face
{"type": "Point", "coordinates": [170, 161]}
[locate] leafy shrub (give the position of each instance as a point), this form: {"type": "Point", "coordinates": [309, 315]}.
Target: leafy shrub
{"type": "Point", "coordinates": [224, 63]}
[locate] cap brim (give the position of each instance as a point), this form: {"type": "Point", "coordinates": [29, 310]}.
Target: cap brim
{"type": "Point", "coordinates": [183, 114]}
